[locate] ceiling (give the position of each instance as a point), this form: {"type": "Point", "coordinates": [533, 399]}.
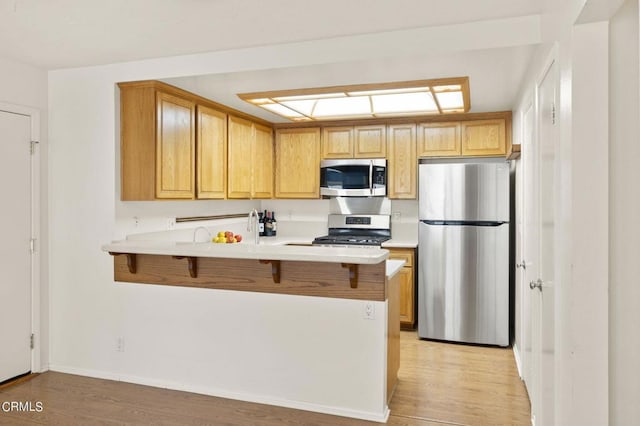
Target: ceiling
{"type": "Point", "coordinates": [55, 34]}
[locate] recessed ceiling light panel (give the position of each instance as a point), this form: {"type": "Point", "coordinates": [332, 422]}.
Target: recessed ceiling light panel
{"type": "Point", "coordinates": [367, 100]}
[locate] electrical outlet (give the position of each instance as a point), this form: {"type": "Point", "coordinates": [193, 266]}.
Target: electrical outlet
{"type": "Point", "coordinates": [171, 223]}
{"type": "Point", "coordinates": [120, 344]}
{"type": "Point", "coordinates": [369, 311]}
{"type": "Point", "coordinates": [136, 222]}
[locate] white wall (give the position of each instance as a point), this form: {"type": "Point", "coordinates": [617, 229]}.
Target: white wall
{"type": "Point", "coordinates": [165, 329]}
{"type": "Point", "coordinates": [597, 302]}
{"type": "Point", "coordinates": [26, 86]}
{"type": "Point", "coordinates": [624, 212]}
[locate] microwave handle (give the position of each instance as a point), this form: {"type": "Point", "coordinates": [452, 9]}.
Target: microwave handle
{"type": "Point", "coordinates": [371, 177]}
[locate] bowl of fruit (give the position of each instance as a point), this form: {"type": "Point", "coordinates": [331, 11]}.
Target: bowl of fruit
{"type": "Point", "coordinates": [226, 237]}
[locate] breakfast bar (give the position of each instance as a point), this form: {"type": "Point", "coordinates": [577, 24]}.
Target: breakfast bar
{"type": "Point", "coordinates": [326, 318]}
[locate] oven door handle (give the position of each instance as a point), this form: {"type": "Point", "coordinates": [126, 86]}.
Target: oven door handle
{"type": "Point", "coordinates": [371, 177]}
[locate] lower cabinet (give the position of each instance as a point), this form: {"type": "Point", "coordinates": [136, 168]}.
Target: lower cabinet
{"type": "Point", "coordinates": [407, 285]}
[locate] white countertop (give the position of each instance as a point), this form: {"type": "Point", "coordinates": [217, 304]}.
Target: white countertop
{"type": "Point", "coordinates": [269, 251]}
{"type": "Point", "coordinates": [393, 267]}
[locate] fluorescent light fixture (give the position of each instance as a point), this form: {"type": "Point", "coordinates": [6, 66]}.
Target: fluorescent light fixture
{"type": "Point", "coordinates": [281, 110]}
{"type": "Point", "coordinates": [450, 100]}
{"type": "Point", "coordinates": [404, 102]}
{"type": "Point", "coordinates": [347, 106]}
{"type": "Point", "coordinates": [304, 107]}
{"type": "Point", "coordinates": [367, 100]}
{"type": "Point", "coordinates": [309, 96]}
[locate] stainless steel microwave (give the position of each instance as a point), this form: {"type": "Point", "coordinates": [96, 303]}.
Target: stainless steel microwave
{"type": "Point", "coordinates": [353, 178]}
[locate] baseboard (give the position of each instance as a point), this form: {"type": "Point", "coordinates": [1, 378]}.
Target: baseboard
{"type": "Point", "coordinates": [516, 355]}
{"type": "Point", "coordinates": [258, 399]}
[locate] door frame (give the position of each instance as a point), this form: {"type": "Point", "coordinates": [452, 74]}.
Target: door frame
{"type": "Point", "coordinates": [551, 60]}
{"type": "Point", "coordinates": [34, 116]}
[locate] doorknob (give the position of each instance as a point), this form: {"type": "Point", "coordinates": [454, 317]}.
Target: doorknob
{"type": "Point", "coordinates": [522, 265]}
{"type": "Point", "coordinates": [536, 284]}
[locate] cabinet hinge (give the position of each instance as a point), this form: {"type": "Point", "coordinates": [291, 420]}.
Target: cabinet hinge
{"type": "Point", "coordinates": [32, 339]}
{"type": "Point", "coordinates": [32, 147]}
{"type": "Point", "coordinates": [32, 245]}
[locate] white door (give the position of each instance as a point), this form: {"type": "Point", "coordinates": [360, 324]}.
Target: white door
{"type": "Point", "coordinates": [527, 249]}
{"type": "Point", "coordinates": [542, 286]}
{"type": "Point", "coordinates": [15, 251]}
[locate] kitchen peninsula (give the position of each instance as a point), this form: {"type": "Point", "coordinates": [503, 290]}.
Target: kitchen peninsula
{"type": "Point", "coordinates": [314, 328]}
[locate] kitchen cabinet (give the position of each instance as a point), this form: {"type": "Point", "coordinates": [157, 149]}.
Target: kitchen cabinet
{"type": "Point", "coordinates": [337, 142]}
{"type": "Point", "coordinates": [297, 153]}
{"type": "Point", "coordinates": [370, 141]}
{"type": "Point", "coordinates": [157, 144]}
{"type": "Point", "coordinates": [354, 142]}
{"type": "Point", "coordinates": [401, 161]}
{"type": "Point", "coordinates": [250, 159]}
{"type": "Point", "coordinates": [473, 138]}
{"type": "Point", "coordinates": [484, 137]}
{"type": "Point", "coordinates": [439, 139]}
{"type": "Point", "coordinates": [211, 164]}
{"type": "Point", "coordinates": [407, 285]}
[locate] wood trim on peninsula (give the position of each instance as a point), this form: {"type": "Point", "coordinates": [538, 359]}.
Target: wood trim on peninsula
{"type": "Point", "coordinates": [323, 279]}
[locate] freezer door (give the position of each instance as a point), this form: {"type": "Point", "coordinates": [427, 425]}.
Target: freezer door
{"type": "Point", "coordinates": [463, 287]}
{"type": "Point", "coordinates": [464, 191]}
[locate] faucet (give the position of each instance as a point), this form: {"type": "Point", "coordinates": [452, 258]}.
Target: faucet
{"type": "Point", "coordinates": [195, 231]}
{"type": "Point", "coordinates": [252, 225]}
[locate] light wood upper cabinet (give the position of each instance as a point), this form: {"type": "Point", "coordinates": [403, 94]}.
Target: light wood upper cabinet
{"type": "Point", "coordinates": [239, 158]}
{"type": "Point", "coordinates": [439, 139]}
{"type": "Point", "coordinates": [484, 137]}
{"type": "Point", "coordinates": [250, 160]}
{"type": "Point", "coordinates": [473, 138]}
{"type": "Point", "coordinates": [211, 164]}
{"type": "Point", "coordinates": [354, 142]}
{"type": "Point", "coordinates": [401, 161]}
{"type": "Point", "coordinates": [262, 161]}
{"type": "Point", "coordinates": [298, 163]}
{"type": "Point", "coordinates": [157, 144]}
{"type": "Point", "coordinates": [337, 142]}
{"type": "Point", "coordinates": [370, 141]}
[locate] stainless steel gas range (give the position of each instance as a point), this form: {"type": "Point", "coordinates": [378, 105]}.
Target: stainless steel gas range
{"type": "Point", "coordinates": [359, 222]}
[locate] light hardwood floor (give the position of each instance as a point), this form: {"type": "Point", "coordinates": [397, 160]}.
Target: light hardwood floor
{"type": "Point", "coordinates": [439, 384]}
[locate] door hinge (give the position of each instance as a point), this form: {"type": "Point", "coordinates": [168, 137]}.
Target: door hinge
{"type": "Point", "coordinates": [32, 339]}
{"type": "Point", "coordinates": [32, 148]}
{"type": "Point", "coordinates": [32, 245]}
{"type": "Point", "coordinates": [553, 113]}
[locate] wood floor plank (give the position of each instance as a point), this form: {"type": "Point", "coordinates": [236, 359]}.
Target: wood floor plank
{"type": "Point", "coordinates": [439, 384]}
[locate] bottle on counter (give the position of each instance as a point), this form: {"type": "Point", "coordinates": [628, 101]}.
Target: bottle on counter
{"type": "Point", "coordinates": [268, 226]}
{"type": "Point", "coordinates": [274, 223]}
{"type": "Point", "coordinates": [261, 224]}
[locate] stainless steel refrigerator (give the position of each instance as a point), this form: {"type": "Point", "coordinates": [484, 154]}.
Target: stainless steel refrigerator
{"type": "Point", "coordinates": [463, 272]}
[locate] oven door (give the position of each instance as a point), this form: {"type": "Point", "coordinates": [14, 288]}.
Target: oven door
{"type": "Point", "coordinates": [353, 178]}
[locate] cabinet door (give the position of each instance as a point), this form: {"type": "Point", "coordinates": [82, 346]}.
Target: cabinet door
{"type": "Point", "coordinates": [407, 285]}
{"type": "Point", "coordinates": [211, 164]}
{"type": "Point", "coordinates": [239, 158]}
{"type": "Point", "coordinates": [175, 147]}
{"type": "Point", "coordinates": [337, 142]}
{"type": "Point", "coordinates": [439, 139]}
{"type": "Point", "coordinates": [262, 160]}
{"type": "Point", "coordinates": [484, 137]}
{"type": "Point", "coordinates": [370, 141]}
{"type": "Point", "coordinates": [298, 163]}
{"type": "Point", "coordinates": [401, 161]}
